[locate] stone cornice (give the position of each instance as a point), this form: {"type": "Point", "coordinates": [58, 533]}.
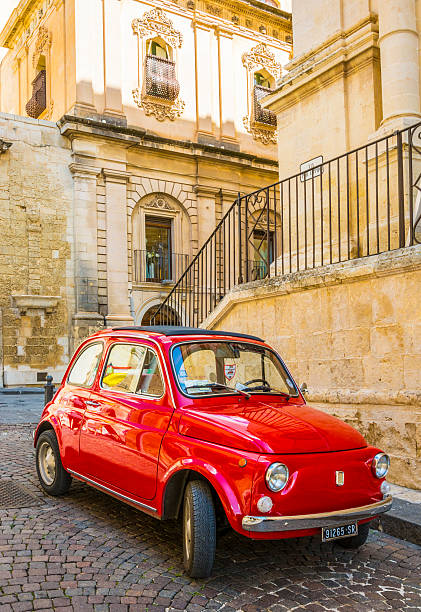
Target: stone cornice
{"type": "Point", "coordinates": [321, 66]}
{"type": "Point", "coordinates": [206, 190]}
{"type": "Point", "coordinates": [20, 18]}
{"type": "Point", "coordinates": [115, 176]}
{"type": "Point", "coordinates": [130, 137]}
{"type": "Point", "coordinates": [85, 171]}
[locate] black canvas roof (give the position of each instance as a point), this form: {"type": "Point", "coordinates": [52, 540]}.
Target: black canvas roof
{"type": "Point", "coordinates": [176, 330]}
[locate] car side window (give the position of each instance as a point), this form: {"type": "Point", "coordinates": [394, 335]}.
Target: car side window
{"type": "Point", "coordinates": [133, 368]}
{"type": "Point", "coordinates": [151, 382]}
{"type": "Point", "coordinates": [86, 365]}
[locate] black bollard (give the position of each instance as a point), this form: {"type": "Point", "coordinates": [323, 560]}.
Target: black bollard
{"type": "Point", "coordinates": [48, 390]}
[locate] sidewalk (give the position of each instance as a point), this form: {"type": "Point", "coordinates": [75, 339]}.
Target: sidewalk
{"type": "Point", "coordinates": [402, 521]}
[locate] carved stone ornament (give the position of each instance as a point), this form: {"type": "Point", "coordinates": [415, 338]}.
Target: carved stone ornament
{"type": "Point", "coordinates": [50, 109]}
{"type": "Point", "coordinates": [158, 108]}
{"type": "Point", "coordinates": [42, 44]}
{"type": "Point", "coordinates": [156, 23]}
{"type": "Point", "coordinates": [159, 203]}
{"type": "Point", "coordinates": [261, 57]}
{"type": "Point", "coordinates": [266, 135]}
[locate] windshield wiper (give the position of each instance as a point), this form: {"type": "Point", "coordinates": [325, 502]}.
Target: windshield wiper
{"type": "Point", "coordinates": [214, 385]}
{"type": "Point", "coordinates": [269, 389]}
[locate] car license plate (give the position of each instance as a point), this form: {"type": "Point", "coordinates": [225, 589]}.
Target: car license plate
{"type": "Point", "coordinates": [342, 531]}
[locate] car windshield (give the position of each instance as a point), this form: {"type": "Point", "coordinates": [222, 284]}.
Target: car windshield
{"type": "Point", "coordinates": [208, 368]}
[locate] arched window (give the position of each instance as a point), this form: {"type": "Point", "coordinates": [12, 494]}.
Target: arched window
{"type": "Point", "coordinates": [38, 102]}
{"type": "Point", "coordinates": [159, 48]}
{"type": "Point", "coordinates": [160, 76]}
{"type": "Point", "coordinates": [167, 316]}
{"type": "Point", "coordinates": [263, 85]}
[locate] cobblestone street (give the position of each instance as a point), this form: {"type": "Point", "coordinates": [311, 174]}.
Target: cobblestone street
{"type": "Point", "coordinates": [87, 551]}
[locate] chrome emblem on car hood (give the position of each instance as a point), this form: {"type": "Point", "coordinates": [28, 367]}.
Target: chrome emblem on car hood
{"type": "Point", "coordinates": [339, 479]}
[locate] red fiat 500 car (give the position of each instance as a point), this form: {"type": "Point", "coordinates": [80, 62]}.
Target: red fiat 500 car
{"type": "Point", "coordinates": [210, 426]}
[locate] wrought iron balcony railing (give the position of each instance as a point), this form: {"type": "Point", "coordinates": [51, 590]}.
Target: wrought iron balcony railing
{"type": "Point", "coordinates": [161, 80]}
{"type": "Point", "coordinates": [38, 103]}
{"type": "Point", "coordinates": [151, 267]}
{"type": "Point", "coordinates": [262, 115]}
{"type": "Point", "coordinates": [364, 202]}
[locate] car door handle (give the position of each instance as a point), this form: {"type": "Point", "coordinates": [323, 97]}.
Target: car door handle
{"type": "Point", "coordinates": [95, 406]}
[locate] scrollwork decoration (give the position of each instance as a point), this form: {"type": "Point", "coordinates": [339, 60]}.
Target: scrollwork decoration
{"type": "Point", "coordinates": [155, 22]}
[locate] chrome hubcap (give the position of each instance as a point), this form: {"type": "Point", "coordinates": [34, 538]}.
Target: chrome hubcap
{"type": "Point", "coordinates": [187, 528]}
{"type": "Point", "coordinates": [47, 463]}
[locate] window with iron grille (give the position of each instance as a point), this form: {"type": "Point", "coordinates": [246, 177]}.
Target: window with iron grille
{"type": "Point", "coordinates": [161, 80]}
{"type": "Point", "coordinates": [38, 103]}
{"type": "Point", "coordinates": [262, 115]}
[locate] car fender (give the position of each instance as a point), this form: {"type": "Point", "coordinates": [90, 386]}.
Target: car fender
{"type": "Point", "coordinates": [52, 420]}
{"type": "Point", "coordinates": [231, 501]}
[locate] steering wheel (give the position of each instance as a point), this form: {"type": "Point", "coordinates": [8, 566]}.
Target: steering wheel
{"type": "Point", "coordinates": [265, 386]}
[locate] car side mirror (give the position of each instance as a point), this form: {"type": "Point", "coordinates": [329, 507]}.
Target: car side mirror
{"type": "Point", "coordinates": [304, 389]}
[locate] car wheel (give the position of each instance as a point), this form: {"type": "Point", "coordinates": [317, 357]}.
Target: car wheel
{"type": "Point", "coordinates": [199, 530]}
{"type": "Point", "coordinates": [53, 477]}
{"type": "Point", "coordinates": [357, 540]}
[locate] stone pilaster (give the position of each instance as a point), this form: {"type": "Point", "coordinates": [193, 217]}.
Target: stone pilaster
{"type": "Point", "coordinates": [117, 255]}
{"type": "Point", "coordinates": [87, 316]}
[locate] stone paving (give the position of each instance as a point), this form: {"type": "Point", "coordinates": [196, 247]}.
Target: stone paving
{"type": "Point", "coordinates": [87, 551]}
{"type": "Point", "coordinates": [20, 408]}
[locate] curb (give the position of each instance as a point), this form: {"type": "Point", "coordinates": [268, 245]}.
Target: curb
{"type": "Point", "coordinates": [21, 390]}
{"type": "Point", "coordinates": [403, 521]}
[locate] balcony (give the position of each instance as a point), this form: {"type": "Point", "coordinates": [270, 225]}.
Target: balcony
{"type": "Point", "coordinates": [150, 267]}
{"type": "Point", "coordinates": [262, 115]}
{"type": "Point", "coordinates": [161, 81]}
{"type": "Point", "coordinates": [38, 103]}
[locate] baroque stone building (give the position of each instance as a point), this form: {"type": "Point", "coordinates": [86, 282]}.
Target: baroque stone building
{"type": "Point", "coordinates": [143, 122]}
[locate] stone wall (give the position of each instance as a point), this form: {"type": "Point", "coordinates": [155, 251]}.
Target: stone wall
{"type": "Point", "coordinates": [36, 273]}
{"type": "Point", "coordinates": [351, 331]}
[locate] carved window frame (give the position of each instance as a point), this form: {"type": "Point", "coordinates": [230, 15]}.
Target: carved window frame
{"type": "Point", "coordinates": [257, 59]}
{"type": "Point", "coordinates": [154, 24]}
{"type": "Point", "coordinates": [43, 48]}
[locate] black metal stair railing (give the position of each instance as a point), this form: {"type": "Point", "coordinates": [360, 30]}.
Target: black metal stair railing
{"type": "Point", "coordinates": [361, 203]}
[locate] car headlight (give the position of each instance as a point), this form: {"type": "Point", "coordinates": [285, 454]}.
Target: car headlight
{"type": "Point", "coordinates": [380, 465]}
{"type": "Point", "coordinates": [277, 476]}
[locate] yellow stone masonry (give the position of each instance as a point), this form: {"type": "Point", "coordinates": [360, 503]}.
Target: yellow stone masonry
{"type": "Point", "coordinates": [36, 275]}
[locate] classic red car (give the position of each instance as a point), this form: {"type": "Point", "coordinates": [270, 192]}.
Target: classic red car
{"type": "Point", "coordinates": [210, 426]}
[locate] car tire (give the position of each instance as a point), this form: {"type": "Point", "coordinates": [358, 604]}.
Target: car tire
{"type": "Point", "coordinates": [53, 477]}
{"type": "Point", "coordinates": [358, 540]}
{"type": "Point", "coordinates": [199, 530]}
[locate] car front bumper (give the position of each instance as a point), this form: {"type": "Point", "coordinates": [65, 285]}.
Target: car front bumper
{"type": "Point", "coordinates": [310, 521]}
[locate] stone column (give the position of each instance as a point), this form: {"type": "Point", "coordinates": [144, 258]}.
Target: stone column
{"type": "Point", "coordinates": [398, 41]}
{"type": "Point", "coordinates": [117, 256]}
{"type": "Point", "coordinates": [85, 249]}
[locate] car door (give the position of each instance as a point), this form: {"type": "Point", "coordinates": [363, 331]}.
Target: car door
{"type": "Point", "coordinates": [73, 398]}
{"type": "Point", "coordinates": [129, 413]}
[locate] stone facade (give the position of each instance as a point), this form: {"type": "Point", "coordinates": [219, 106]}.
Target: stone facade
{"type": "Point", "coordinates": [125, 156]}
{"type": "Point", "coordinates": [36, 277]}
{"type": "Point", "coordinates": [350, 331]}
